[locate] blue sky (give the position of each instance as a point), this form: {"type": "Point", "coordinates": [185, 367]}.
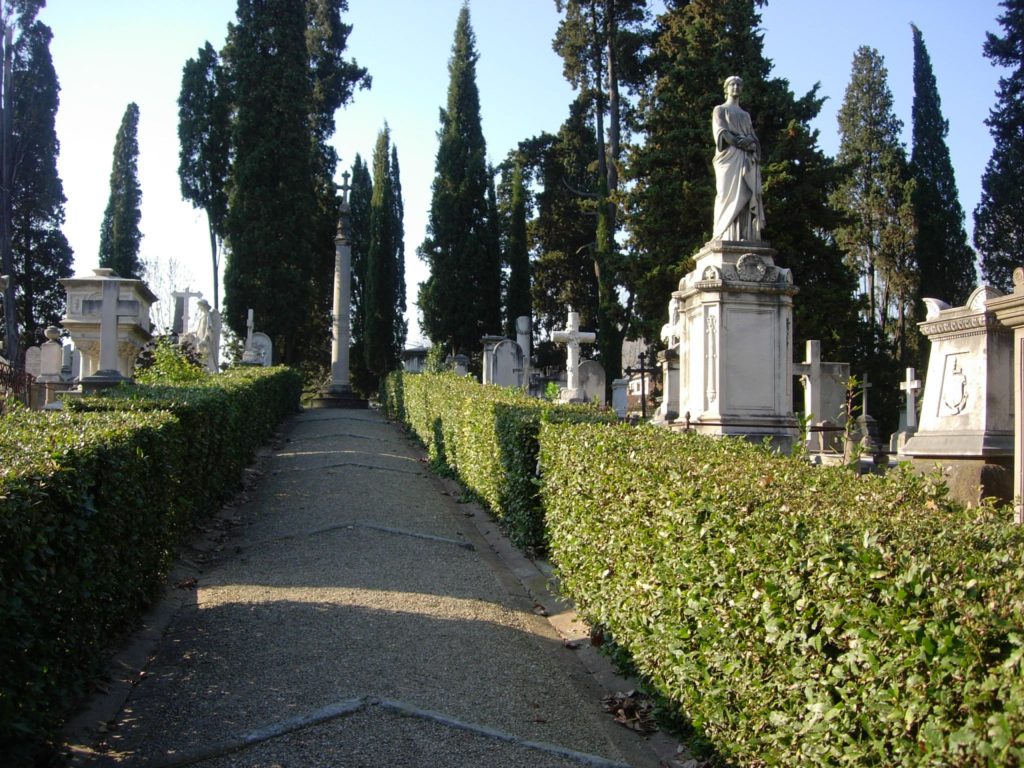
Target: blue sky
{"type": "Point", "coordinates": [110, 52]}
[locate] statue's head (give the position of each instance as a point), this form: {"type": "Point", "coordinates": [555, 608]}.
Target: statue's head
{"type": "Point", "coordinates": [730, 82]}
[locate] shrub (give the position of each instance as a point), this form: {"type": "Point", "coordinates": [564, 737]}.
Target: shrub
{"type": "Point", "coordinates": [92, 502]}
{"type": "Point", "coordinates": [487, 437]}
{"type": "Point", "coordinates": [795, 615]}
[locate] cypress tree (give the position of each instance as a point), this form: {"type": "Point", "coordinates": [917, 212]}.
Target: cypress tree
{"type": "Point", "coordinates": [359, 200]}
{"type": "Point", "coordinates": [119, 233]}
{"type": "Point", "coordinates": [517, 297]}
{"type": "Point", "coordinates": [14, 19]}
{"type": "Point", "coordinates": [204, 134]}
{"type": "Point", "coordinates": [41, 252]}
{"type": "Point", "coordinates": [945, 260]}
{"type": "Point", "coordinates": [999, 217]}
{"type": "Point", "coordinates": [461, 300]}
{"type": "Point", "coordinates": [400, 327]}
{"type": "Point", "coordinates": [382, 298]}
{"type": "Point", "coordinates": [874, 197]}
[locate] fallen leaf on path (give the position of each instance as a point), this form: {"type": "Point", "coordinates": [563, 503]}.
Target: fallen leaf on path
{"type": "Point", "coordinates": [632, 709]}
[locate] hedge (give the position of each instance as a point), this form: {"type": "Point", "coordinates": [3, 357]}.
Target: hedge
{"type": "Point", "coordinates": [92, 502]}
{"type": "Point", "coordinates": [795, 615]}
{"type": "Point", "coordinates": [487, 437]}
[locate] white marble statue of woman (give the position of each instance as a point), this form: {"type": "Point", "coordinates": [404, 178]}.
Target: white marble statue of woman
{"type": "Point", "coordinates": [739, 212]}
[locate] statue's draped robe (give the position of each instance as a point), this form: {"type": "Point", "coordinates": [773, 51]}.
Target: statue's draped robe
{"type": "Point", "coordinates": [739, 214]}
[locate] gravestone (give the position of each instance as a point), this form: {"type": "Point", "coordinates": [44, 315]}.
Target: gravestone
{"type": "Point", "coordinates": [911, 385]}
{"type": "Point", "coordinates": [108, 320]}
{"type": "Point", "coordinates": [33, 361]}
{"type": "Point", "coordinates": [967, 412]}
{"type": "Point", "coordinates": [524, 334]}
{"type": "Point", "coordinates": [572, 337]}
{"type": "Point", "coordinates": [262, 349]}
{"type": "Point", "coordinates": [489, 342]}
{"type": "Point", "coordinates": [414, 359]}
{"type": "Point", "coordinates": [824, 386]}
{"type": "Point", "coordinates": [460, 365]}
{"type": "Point", "coordinates": [592, 380]}
{"type": "Point", "coordinates": [506, 364]}
{"type": "Point", "coordinates": [620, 397]}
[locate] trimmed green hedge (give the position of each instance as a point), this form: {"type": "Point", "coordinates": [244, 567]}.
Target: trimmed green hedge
{"type": "Point", "coordinates": [92, 502]}
{"type": "Point", "coordinates": [487, 437]}
{"type": "Point", "coordinates": [796, 615]}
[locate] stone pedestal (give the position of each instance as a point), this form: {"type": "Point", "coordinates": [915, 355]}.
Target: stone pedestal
{"type": "Point", "coordinates": [1009, 311]}
{"type": "Point", "coordinates": [736, 340]}
{"type": "Point", "coordinates": [967, 410]}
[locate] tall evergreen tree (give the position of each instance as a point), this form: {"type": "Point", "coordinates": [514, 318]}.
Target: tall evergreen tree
{"type": "Point", "coordinates": [383, 302]}
{"type": "Point", "coordinates": [359, 201]}
{"type": "Point", "coordinates": [15, 18]}
{"type": "Point", "coordinates": [697, 45]}
{"type": "Point", "coordinates": [875, 198]}
{"type": "Point", "coordinates": [461, 299]}
{"type": "Point", "coordinates": [120, 236]}
{"type": "Point", "coordinates": [601, 44]}
{"type": "Point", "coordinates": [999, 217]}
{"type": "Point", "coordinates": [517, 295]}
{"type": "Point", "coordinates": [946, 261]}
{"type": "Point", "coordinates": [400, 328]}
{"type": "Point", "coordinates": [204, 133]}
{"type": "Point", "coordinates": [41, 252]}
{"type": "Point", "coordinates": [288, 77]}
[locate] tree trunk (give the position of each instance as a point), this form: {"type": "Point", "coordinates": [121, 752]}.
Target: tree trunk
{"type": "Point", "coordinates": [216, 262]}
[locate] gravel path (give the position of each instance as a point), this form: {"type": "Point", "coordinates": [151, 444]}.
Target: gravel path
{"type": "Point", "coordinates": [355, 616]}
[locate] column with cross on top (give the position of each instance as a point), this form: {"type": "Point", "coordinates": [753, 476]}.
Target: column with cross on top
{"type": "Point", "coordinates": [572, 337]}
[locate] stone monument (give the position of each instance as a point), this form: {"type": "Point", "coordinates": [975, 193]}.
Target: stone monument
{"type": "Point", "coordinates": [735, 307]}
{"type": "Point", "coordinates": [506, 364]}
{"type": "Point", "coordinates": [592, 380]}
{"type": "Point", "coordinates": [108, 320]}
{"type": "Point", "coordinates": [572, 337]}
{"type": "Point", "coordinates": [1009, 311]}
{"type": "Point", "coordinates": [339, 394]}
{"type": "Point", "coordinates": [967, 412]}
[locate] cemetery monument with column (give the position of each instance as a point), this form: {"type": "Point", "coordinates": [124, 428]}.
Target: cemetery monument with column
{"type": "Point", "coordinates": [736, 306]}
{"type": "Point", "coordinates": [1009, 311]}
{"type": "Point", "coordinates": [339, 393]}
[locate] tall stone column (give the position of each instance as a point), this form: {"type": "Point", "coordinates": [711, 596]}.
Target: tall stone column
{"type": "Point", "coordinates": [339, 394]}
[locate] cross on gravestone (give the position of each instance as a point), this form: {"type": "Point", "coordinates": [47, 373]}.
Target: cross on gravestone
{"type": "Point", "coordinates": [911, 385]}
{"type": "Point", "coordinates": [179, 323]}
{"type": "Point", "coordinates": [572, 337]}
{"type": "Point", "coordinates": [643, 369]}
{"type": "Point", "coordinates": [809, 372]}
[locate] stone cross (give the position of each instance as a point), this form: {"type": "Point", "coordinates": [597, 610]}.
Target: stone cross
{"type": "Point", "coordinates": [572, 337]}
{"type": "Point", "coordinates": [911, 386]}
{"type": "Point", "coordinates": [809, 372]}
{"type": "Point", "coordinates": [864, 387]}
{"type": "Point", "coordinates": [180, 322]}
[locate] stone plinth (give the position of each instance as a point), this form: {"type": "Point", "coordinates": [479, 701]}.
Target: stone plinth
{"type": "Point", "coordinates": [108, 320]}
{"type": "Point", "coordinates": [1009, 311]}
{"type": "Point", "coordinates": [736, 339]}
{"type": "Point", "coordinates": [967, 413]}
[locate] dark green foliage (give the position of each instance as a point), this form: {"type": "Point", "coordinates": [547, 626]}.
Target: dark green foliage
{"type": "Point", "coordinates": [204, 133]}
{"type": "Point", "coordinates": [383, 295]}
{"type": "Point", "coordinates": [999, 217]}
{"type": "Point", "coordinates": [461, 300]}
{"type": "Point", "coordinates": [794, 615]}
{"type": "Point", "coordinates": [874, 199]}
{"type": "Point", "coordinates": [92, 503]}
{"type": "Point", "coordinates": [288, 78]}
{"type": "Point", "coordinates": [564, 230]}
{"type": "Point", "coordinates": [945, 260]}
{"type": "Point", "coordinates": [41, 252]}
{"type": "Point", "coordinates": [119, 233]}
{"type": "Point", "coordinates": [17, 18]}
{"type": "Point", "coordinates": [359, 200]}
{"type": "Point", "coordinates": [485, 436]}
{"type": "Point", "coordinates": [517, 292]}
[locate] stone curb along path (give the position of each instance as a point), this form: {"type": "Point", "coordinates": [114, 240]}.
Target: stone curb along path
{"type": "Point", "coordinates": [349, 609]}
